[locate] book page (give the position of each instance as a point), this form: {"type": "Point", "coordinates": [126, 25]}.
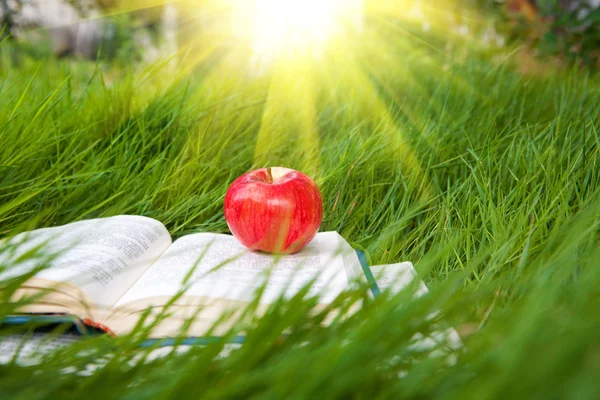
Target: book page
{"type": "Point", "coordinates": [27, 350]}
{"type": "Point", "coordinates": [243, 271]}
{"type": "Point", "coordinates": [103, 257]}
{"type": "Point", "coordinates": [395, 277]}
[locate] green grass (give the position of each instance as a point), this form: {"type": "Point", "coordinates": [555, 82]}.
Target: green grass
{"type": "Point", "coordinates": [488, 180]}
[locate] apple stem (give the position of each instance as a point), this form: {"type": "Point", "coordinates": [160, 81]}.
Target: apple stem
{"type": "Point", "coordinates": [269, 174]}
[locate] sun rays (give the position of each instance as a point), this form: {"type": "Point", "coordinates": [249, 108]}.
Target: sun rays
{"type": "Point", "coordinates": [307, 56]}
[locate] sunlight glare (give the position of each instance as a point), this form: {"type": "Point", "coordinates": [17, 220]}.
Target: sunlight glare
{"type": "Point", "coordinates": [277, 27]}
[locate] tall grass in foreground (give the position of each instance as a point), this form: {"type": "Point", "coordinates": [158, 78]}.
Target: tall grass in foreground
{"type": "Point", "coordinates": [487, 180]}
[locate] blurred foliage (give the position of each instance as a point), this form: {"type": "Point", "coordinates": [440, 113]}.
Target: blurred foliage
{"type": "Point", "coordinates": [128, 39]}
{"type": "Point", "coordinates": [120, 37]}
{"type": "Point", "coordinates": [6, 17]}
{"type": "Point", "coordinates": [566, 29]}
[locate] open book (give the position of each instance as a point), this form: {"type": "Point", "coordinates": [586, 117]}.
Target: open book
{"type": "Point", "coordinates": [109, 271]}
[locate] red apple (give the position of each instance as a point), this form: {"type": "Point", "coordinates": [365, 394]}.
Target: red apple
{"type": "Point", "coordinates": [277, 210]}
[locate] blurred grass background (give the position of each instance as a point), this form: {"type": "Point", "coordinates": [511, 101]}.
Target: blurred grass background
{"type": "Point", "coordinates": [428, 145]}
